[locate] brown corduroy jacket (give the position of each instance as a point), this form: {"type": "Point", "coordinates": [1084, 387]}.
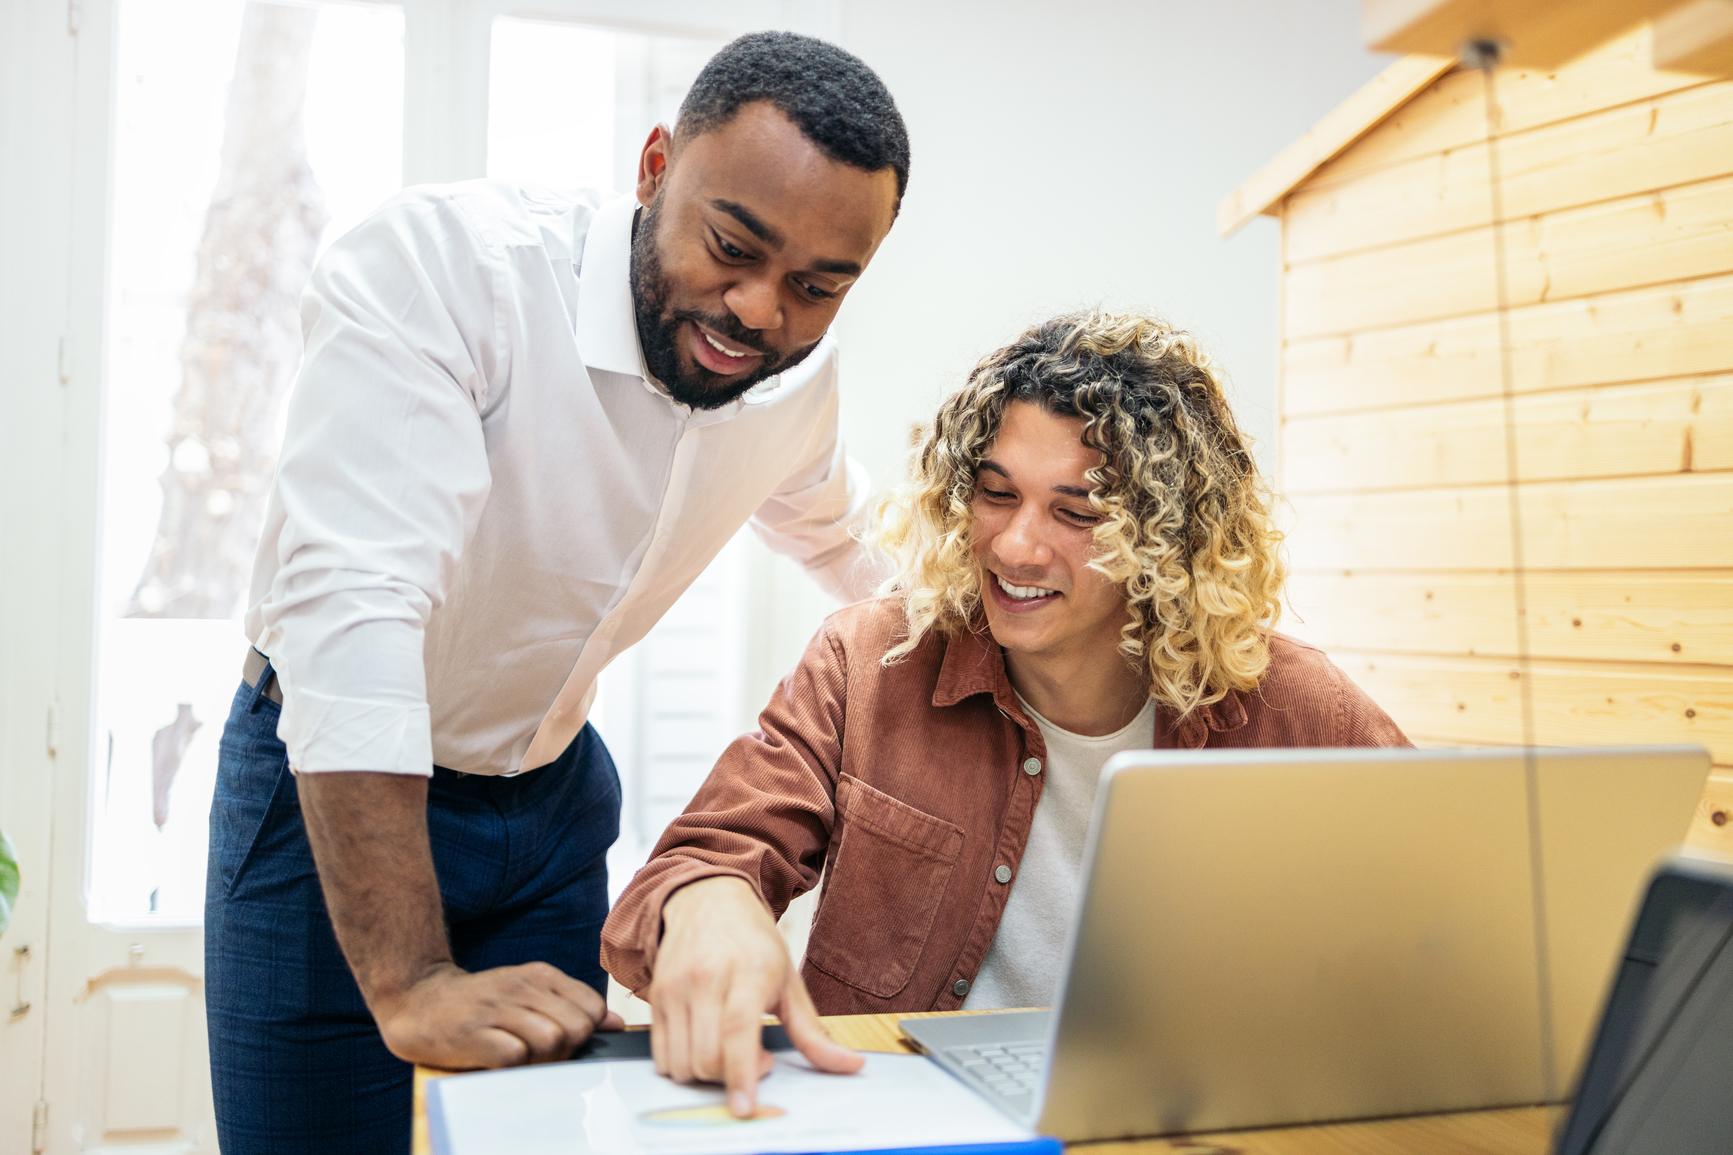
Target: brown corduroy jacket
{"type": "Point", "coordinates": [907, 784]}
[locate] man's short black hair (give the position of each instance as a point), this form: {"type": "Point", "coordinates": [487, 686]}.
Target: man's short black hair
{"type": "Point", "coordinates": [835, 100]}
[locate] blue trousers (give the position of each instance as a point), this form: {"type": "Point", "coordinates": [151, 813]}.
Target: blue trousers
{"type": "Point", "coordinates": [297, 1064]}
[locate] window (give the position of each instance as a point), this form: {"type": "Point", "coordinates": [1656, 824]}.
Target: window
{"type": "Point", "coordinates": [246, 138]}
{"type": "Point", "coordinates": [570, 106]}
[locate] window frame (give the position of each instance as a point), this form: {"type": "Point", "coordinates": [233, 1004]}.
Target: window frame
{"type": "Point", "coordinates": [447, 46]}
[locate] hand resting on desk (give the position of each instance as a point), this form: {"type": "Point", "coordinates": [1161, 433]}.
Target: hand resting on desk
{"type": "Point", "coordinates": [501, 1017]}
{"type": "Point", "coordinates": [370, 844]}
{"type": "Point", "coordinates": [720, 966]}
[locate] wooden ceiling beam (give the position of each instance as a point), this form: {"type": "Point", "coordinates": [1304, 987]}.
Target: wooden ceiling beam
{"type": "Point", "coordinates": [1530, 33]}
{"type": "Point", "coordinates": [1696, 38]}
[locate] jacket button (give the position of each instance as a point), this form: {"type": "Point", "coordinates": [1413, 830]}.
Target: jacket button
{"type": "Point", "coordinates": [1032, 766]}
{"type": "Point", "coordinates": [1003, 874]}
{"type": "Point", "coordinates": [960, 988]}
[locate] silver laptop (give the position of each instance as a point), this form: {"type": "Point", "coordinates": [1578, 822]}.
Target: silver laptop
{"type": "Point", "coordinates": [1273, 937]}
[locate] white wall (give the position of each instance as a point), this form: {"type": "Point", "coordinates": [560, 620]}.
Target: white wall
{"type": "Point", "coordinates": [1070, 154]}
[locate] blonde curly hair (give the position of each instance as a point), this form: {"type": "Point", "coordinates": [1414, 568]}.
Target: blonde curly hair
{"type": "Point", "coordinates": [1186, 518]}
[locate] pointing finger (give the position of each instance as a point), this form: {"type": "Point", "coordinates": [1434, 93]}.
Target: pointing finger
{"type": "Point", "coordinates": [808, 1035]}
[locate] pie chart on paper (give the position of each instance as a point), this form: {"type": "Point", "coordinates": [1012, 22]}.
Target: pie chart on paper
{"type": "Point", "coordinates": [706, 1115]}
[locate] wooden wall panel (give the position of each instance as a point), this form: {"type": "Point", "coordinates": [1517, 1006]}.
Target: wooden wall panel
{"type": "Point", "coordinates": [1618, 193]}
{"type": "Point", "coordinates": [1477, 700]}
{"type": "Point", "coordinates": [1616, 615]}
{"type": "Point", "coordinates": [1655, 144]}
{"type": "Point", "coordinates": [1712, 826]}
{"type": "Point", "coordinates": [1638, 335]}
{"type": "Point", "coordinates": [1452, 113]}
{"type": "Point", "coordinates": [1675, 234]}
{"type": "Point", "coordinates": [1605, 431]}
{"type": "Point", "coordinates": [1685, 521]}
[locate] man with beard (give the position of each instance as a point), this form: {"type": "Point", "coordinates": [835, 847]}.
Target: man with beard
{"type": "Point", "coordinates": [525, 422]}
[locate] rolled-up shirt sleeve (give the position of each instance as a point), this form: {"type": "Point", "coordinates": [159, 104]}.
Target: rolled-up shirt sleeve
{"type": "Point", "coordinates": [814, 516]}
{"type": "Point", "coordinates": [381, 480]}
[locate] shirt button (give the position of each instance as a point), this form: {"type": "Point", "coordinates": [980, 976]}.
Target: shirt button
{"type": "Point", "coordinates": [1032, 766]}
{"type": "Point", "coordinates": [961, 988]}
{"type": "Point", "coordinates": [1003, 874]}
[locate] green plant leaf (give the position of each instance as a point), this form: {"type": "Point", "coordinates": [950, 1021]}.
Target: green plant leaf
{"type": "Point", "coordinates": [8, 880]}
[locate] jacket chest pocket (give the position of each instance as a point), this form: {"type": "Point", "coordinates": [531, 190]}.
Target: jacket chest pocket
{"type": "Point", "coordinates": [886, 882]}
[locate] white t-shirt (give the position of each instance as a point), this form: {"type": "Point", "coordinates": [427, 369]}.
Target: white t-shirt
{"type": "Point", "coordinates": [1022, 967]}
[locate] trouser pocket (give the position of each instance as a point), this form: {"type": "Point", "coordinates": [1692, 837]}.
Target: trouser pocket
{"type": "Point", "coordinates": [252, 777]}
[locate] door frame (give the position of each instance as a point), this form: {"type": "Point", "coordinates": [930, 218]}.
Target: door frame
{"type": "Point", "coordinates": [45, 58]}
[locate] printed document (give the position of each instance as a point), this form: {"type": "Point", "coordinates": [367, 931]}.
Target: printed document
{"type": "Point", "coordinates": [626, 1108]}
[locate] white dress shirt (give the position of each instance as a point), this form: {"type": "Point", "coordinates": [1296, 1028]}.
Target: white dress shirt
{"type": "Point", "coordinates": [483, 498]}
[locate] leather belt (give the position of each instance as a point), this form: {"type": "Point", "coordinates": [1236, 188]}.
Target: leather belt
{"type": "Point", "coordinates": [255, 665]}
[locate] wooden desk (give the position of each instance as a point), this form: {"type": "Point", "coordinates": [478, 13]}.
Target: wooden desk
{"type": "Point", "coordinates": [1520, 1131]}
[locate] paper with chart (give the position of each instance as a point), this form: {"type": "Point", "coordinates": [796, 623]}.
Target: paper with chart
{"type": "Point", "coordinates": [625, 1108]}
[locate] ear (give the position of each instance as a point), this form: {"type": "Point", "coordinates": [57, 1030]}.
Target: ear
{"type": "Point", "coordinates": [653, 163]}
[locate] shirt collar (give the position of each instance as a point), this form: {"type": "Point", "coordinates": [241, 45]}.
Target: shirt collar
{"type": "Point", "coordinates": [1193, 733]}
{"type": "Point", "coordinates": [974, 664]}
{"type": "Point", "coordinates": [607, 325]}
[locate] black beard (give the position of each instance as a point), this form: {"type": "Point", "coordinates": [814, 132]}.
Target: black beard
{"type": "Point", "coordinates": [659, 329]}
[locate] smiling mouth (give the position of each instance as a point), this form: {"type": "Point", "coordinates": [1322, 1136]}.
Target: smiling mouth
{"type": "Point", "coordinates": [722, 357]}
{"type": "Point", "coordinates": [1023, 593]}
{"type": "Point", "coordinates": [725, 350]}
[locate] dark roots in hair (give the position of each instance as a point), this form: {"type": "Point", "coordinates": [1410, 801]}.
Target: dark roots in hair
{"type": "Point", "coordinates": [835, 100]}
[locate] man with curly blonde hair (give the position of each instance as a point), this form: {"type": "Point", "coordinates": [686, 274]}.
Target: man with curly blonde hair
{"type": "Point", "coordinates": [1085, 563]}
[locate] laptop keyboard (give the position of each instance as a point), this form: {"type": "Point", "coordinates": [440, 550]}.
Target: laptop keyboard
{"type": "Point", "coordinates": [1004, 1069]}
